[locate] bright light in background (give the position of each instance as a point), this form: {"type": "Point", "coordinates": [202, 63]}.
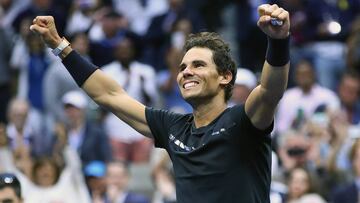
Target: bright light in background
{"type": "Point", "coordinates": [334, 27]}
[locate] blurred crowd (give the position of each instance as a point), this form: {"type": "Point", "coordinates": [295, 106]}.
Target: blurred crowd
{"type": "Point", "coordinates": [64, 148]}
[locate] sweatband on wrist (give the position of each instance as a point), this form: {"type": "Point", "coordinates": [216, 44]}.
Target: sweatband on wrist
{"type": "Point", "coordinates": [79, 67]}
{"type": "Point", "coordinates": [278, 51]}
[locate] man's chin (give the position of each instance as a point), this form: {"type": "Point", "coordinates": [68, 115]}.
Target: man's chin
{"type": "Point", "coordinates": [192, 99]}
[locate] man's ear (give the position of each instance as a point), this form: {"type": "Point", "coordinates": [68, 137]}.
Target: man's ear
{"type": "Point", "coordinates": [226, 78]}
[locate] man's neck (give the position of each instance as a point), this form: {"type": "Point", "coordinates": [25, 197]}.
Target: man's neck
{"type": "Point", "coordinates": [206, 113]}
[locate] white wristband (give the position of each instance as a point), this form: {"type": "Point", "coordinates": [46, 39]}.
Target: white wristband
{"type": "Point", "coordinates": [64, 43]}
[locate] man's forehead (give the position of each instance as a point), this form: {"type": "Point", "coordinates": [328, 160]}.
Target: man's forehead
{"type": "Point", "coordinates": [198, 54]}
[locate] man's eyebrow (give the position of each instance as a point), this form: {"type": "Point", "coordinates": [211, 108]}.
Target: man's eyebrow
{"type": "Point", "coordinates": [182, 65]}
{"type": "Point", "coordinates": [199, 62]}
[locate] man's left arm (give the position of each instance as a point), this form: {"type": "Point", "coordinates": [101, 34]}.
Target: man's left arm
{"type": "Point", "coordinates": [261, 104]}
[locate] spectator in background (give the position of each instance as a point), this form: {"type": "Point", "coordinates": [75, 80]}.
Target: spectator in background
{"type": "Point", "coordinates": [33, 66]}
{"type": "Point", "coordinates": [10, 189]}
{"type": "Point", "coordinates": [104, 35]}
{"type": "Point", "coordinates": [40, 7]}
{"type": "Point", "coordinates": [83, 136]}
{"type": "Point", "coordinates": [6, 44]}
{"type": "Point", "coordinates": [140, 12]}
{"type": "Point", "coordinates": [348, 92]}
{"type": "Point", "coordinates": [95, 176]}
{"type": "Point", "coordinates": [301, 188]}
{"type": "Point", "coordinates": [24, 128]}
{"type": "Point", "coordinates": [301, 101]}
{"type": "Point", "coordinates": [349, 193]}
{"type": "Point", "coordinates": [9, 9]}
{"type": "Point", "coordinates": [159, 32]}
{"type": "Point", "coordinates": [139, 81]}
{"type": "Point", "coordinates": [48, 180]}
{"type": "Point", "coordinates": [83, 15]}
{"type": "Point", "coordinates": [245, 82]}
{"type": "Point", "coordinates": [293, 147]}
{"type": "Point", "coordinates": [117, 180]}
{"type": "Point", "coordinates": [163, 178]}
{"type": "Point", "coordinates": [328, 24]}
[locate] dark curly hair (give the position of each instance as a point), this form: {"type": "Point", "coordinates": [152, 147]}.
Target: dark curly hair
{"type": "Point", "coordinates": [221, 55]}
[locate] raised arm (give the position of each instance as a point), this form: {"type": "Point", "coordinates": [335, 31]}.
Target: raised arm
{"type": "Point", "coordinates": [101, 88]}
{"type": "Point", "coordinates": [261, 103]}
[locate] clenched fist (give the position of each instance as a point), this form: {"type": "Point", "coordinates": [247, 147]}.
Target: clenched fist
{"type": "Point", "coordinates": [45, 27]}
{"type": "Point", "coordinates": [266, 13]}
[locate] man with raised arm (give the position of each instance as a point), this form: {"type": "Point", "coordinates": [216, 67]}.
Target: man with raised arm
{"type": "Point", "coordinates": [219, 154]}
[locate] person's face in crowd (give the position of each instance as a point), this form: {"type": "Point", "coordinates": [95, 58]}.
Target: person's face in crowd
{"type": "Point", "coordinates": [117, 176]}
{"type": "Point", "coordinates": [73, 114]}
{"type": "Point", "coordinates": [356, 161]}
{"type": "Point", "coordinates": [81, 44]}
{"type": "Point", "coordinates": [18, 114]}
{"type": "Point", "coordinates": [240, 94]}
{"type": "Point", "coordinates": [124, 51]}
{"type": "Point", "coordinates": [8, 195]}
{"type": "Point", "coordinates": [296, 148]}
{"type": "Point", "coordinates": [305, 75]}
{"type": "Point", "coordinates": [198, 78]}
{"type": "Point", "coordinates": [349, 91]}
{"type": "Point", "coordinates": [299, 183]}
{"type": "Point", "coordinates": [111, 25]}
{"type": "Point", "coordinates": [45, 175]}
{"type": "Point", "coordinates": [97, 185]}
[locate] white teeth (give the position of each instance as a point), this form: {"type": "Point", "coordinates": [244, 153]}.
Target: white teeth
{"type": "Point", "coordinates": [189, 85]}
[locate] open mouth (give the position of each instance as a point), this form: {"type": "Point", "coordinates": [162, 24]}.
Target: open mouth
{"type": "Point", "coordinates": [190, 84]}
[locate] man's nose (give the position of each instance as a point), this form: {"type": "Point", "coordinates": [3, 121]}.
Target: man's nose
{"type": "Point", "coordinates": [188, 71]}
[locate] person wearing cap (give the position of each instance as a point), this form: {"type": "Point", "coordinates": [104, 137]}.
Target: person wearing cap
{"type": "Point", "coordinates": [10, 189]}
{"type": "Point", "coordinates": [245, 82]}
{"type": "Point", "coordinates": [95, 177]}
{"type": "Point", "coordinates": [82, 135]}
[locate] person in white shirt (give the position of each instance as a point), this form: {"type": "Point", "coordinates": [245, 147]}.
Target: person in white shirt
{"type": "Point", "coordinates": [51, 184]}
{"type": "Point", "coordinates": [139, 81]}
{"type": "Point", "coordinates": [302, 100]}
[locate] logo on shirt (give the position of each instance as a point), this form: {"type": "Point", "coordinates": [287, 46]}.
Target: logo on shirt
{"type": "Point", "coordinates": [180, 144]}
{"type": "Point", "coordinates": [219, 131]}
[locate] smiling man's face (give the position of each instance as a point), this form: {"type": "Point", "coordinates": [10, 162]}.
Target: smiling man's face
{"type": "Point", "coordinates": [198, 77]}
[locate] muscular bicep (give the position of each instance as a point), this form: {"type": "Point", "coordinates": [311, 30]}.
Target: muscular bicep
{"type": "Point", "coordinates": [109, 94]}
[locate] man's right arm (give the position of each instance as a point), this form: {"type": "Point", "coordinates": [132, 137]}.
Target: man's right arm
{"type": "Point", "coordinates": [101, 88]}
